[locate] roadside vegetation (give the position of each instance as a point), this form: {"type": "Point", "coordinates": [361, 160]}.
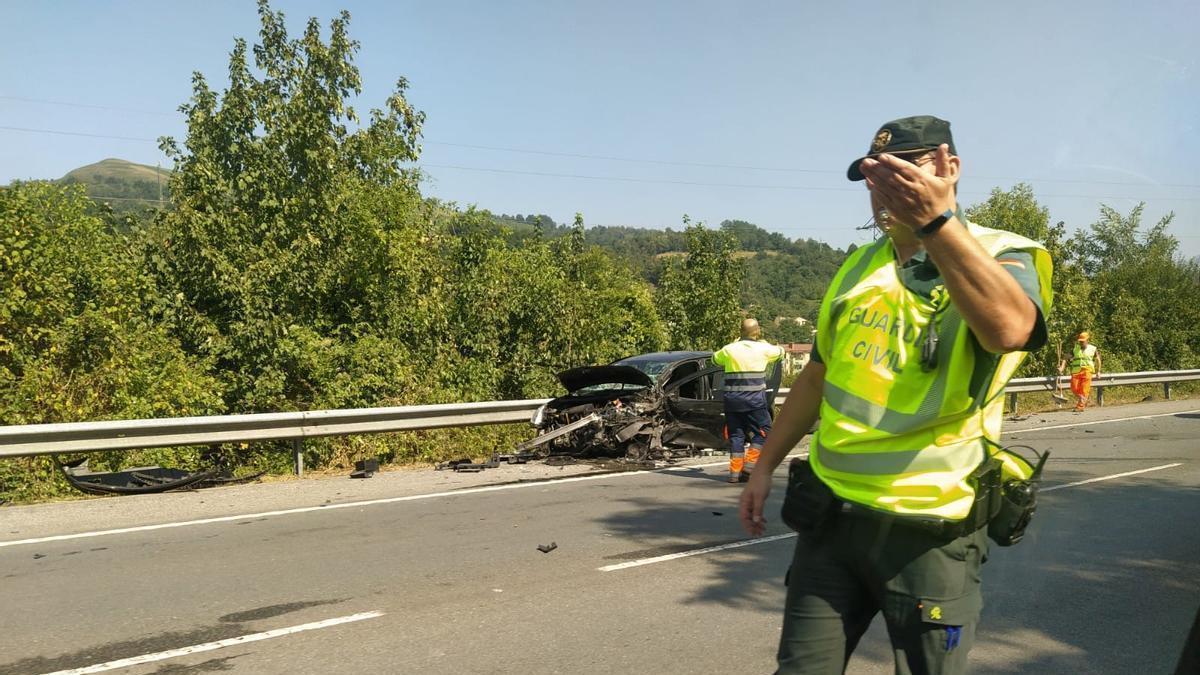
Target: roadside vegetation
{"type": "Point", "coordinates": [296, 265]}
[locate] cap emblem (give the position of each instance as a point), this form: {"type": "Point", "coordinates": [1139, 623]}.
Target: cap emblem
{"type": "Point", "coordinates": [881, 140]}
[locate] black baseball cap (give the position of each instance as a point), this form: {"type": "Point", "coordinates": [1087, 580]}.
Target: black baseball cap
{"type": "Point", "coordinates": [905, 135]}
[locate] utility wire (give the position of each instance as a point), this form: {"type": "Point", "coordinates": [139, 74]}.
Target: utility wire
{"type": "Point", "coordinates": [778, 169]}
{"type": "Point", "coordinates": [87, 105]}
{"type": "Point", "coordinates": [751, 186]}
{"type": "Point", "coordinates": [609, 158]}
{"type": "Point", "coordinates": [630, 159]}
{"type": "Point", "coordinates": [77, 133]}
{"type": "Point", "coordinates": [644, 180]}
{"type": "Point", "coordinates": [626, 179]}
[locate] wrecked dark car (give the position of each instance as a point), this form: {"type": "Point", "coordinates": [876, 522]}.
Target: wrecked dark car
{"type": "Point", "coordinates": [656, 406]}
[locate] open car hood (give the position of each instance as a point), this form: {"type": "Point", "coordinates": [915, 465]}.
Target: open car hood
{"type": "Point", "coordinates": [590, 376]}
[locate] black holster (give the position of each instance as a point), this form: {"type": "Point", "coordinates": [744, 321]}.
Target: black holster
{"type": "Point", "coordinates": [1018, 501]}
{"type": "Point", "coordinates": [808, 503]}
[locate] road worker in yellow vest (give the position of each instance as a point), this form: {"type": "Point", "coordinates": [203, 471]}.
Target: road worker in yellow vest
{"type": "Point", "coordinates": [917, 336]}
{"type": "Point", "coordinates": [1085, 364]}
{"type": "Point", "coordinates": [747, 416]}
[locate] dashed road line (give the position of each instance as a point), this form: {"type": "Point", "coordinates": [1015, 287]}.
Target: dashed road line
{"type": "Point", "coordinates": [220, 644]}
{"type": "Point", "coordinates": [777, 537]}
{"type": "Point", "coordinates": [698, 551]}
{"type": "Point", "coordinates": [1115, 475]}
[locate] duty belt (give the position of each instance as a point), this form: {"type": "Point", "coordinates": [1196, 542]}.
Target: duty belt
{"type": "Point", "coordinates": [985, 479]}
{"type": "Point", "coordinates": [939, 527]}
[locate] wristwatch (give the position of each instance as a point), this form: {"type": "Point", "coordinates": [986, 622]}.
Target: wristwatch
{"type": "Point", "coordinates": [935, 224]}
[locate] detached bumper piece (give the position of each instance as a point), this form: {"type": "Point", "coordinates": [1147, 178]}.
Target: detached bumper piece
{"type": "Point", "coordinates": [465, 465]}
{"type": "Point", "coordinates": [141, 480]}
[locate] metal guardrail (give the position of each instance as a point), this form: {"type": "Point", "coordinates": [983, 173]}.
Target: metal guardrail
{"type": "Point", "coordinates": [1048, 384]}
{"type": "Point", "coordinates": [43, 439]}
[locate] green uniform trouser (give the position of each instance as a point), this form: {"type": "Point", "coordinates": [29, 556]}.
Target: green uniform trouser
{"type": "Point", "coordinates": [855, 566]}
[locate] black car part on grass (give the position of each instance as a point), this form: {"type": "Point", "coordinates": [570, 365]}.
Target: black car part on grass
{"type": "Point", "coordinates": [143, 479]}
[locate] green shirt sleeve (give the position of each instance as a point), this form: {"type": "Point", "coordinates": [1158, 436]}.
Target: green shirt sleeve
{"type": "Point", "coordinates": [1019, 264]}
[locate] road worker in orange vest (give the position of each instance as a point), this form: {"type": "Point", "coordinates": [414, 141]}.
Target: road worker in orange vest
{"type": "Point", "coordinates": [1085, 364]}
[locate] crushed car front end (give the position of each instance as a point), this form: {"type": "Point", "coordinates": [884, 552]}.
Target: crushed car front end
{"type": "Point", "coordinates": [631, 409]}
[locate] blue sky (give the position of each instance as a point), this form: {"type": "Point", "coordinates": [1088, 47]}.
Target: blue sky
{"type": "Point", "coordinates": [1089, 101]}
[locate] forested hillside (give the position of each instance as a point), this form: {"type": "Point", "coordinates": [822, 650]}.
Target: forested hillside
{"type": "Point", "coordinates": [782, 279]}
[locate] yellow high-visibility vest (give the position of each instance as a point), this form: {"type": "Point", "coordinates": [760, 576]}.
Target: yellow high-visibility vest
{"type": "Point", "coordinates": [745, 363]}
{"type": "Point", "coordinates": [896, 435]}
{"type": "Point", "coordinates": [1083, 358]}
{"type": "Point", "coordinates": [747, 360]}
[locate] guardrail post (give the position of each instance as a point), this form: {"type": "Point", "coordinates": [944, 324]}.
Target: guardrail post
{"type": "Point", "coordinates": [298, 455]}
{"type": "Point", "coordinates": [1100, 396]}
{"type": "Point", "coordinates": [1012, 403]}
{"type": "Point", "coordinates": [1167, 390]}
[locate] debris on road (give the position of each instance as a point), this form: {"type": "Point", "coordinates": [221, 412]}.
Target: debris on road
{"type": "Point", "coordinates": [466, 465]}
{"type": "Point", "coordinates": [516, 458]}
{"type": "Point", "coordinates": [546, 548]}
{"type": "Point", "coordinates": [365, 468]}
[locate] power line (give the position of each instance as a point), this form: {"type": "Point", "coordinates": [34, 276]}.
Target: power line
{"type": "Point", "coordinates": [77, 133]}
{"type": "Point", "coordinates": [574, 155]}
{"type": "Point", "coordinates": [635, 160]}
{"type": "Point", "coordinates": [777, 169]}
{"type": "Point", "coordinates": [625, 179]}
{"type": "Point", "coordinates": [87, 105]}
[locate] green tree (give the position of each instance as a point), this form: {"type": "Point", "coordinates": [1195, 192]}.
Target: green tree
{"type": "Point", "coordinates": [1143, 293]}
{"type": "Point", "coordinates": [698, 294]}
{"type": "Point", "coordinates": [296, 222]}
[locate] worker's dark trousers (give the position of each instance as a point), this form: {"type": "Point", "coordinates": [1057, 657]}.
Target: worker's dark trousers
{"type": "Point", "coordinates": [855, 566]}
{"type": "Point", "coordinates": [743, 425]}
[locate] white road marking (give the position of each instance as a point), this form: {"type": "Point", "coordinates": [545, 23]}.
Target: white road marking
{"type": "Point", "coordinates": [699, 551]}
{"type": "Point", "coordinates": [220, 644]}
{"type": "Point", "coordinates": [347, 505]}
{"type": "Point", "coordinates": [763, 540]}
{"type": "Point", "coordinates": [310, 509]}
{"type": "Point", "coordinates": [1084, 424]}
{"type": "Point", "coordinates": [1115, 475]}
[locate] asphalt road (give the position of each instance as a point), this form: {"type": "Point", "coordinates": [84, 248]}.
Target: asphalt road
{"type": "Point", "coordinates": [440, 573]}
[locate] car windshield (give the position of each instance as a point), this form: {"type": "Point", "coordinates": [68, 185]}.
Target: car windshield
{"type": "Point", "coordinates": [651, 367]}
{"type": "Point", "coordinates": [608, 386]}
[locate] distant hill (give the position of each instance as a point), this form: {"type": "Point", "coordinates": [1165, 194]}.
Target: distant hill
{"type": "Point", "coordinates": [126, 186]}
{"type": "Point", "coordinates": [785, 278]}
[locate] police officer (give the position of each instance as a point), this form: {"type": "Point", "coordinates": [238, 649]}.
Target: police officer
{"type": "Point", "coordinates": [745, 395]}
{"type": "Point", "coordinates": [916, 338]}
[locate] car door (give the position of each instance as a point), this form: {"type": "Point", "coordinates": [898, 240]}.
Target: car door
{"type": "Point", "coordinates": [695, 400]}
